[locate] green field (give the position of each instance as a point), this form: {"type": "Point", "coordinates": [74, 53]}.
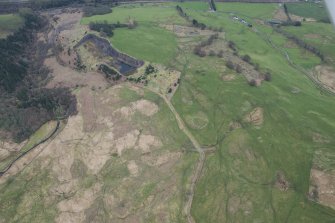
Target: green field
{"type": "Point", "coordinates": [9, 23]}
{"type": "Point", "coordinates": [309, 10]}
{"type": "Point", "coordinates": [148, 41]}
{"type": "Point", "coordinates": [320, 35]}
{"type": "Point", "coordinates": [232, 178]}
{"type": "Point", "coordinates": [239, 180]}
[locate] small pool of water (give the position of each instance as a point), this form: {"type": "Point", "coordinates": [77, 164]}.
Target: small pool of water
{"type": "Point", "coordinates": [126, 69]}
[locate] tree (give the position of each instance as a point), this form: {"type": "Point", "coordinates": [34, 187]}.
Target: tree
{"type": "Point", "coordinates": [286, 12]}
{"type": "Point", "coordinates": [231, 45]}
{"type": "Point", "coordinates": [212, 4]}
{"type": "Point", "coordinates": [149, 69]}
{"type": "Point", "coordinates": [253, 83]}
{"type": "Point", "coordinates": [238, 68]}
{"type": "Point", "coordinates": [268, 76]}
{"type": "Point", "coordinates": [230, 65]}
{"type": "Point", "coordinates": [199, 51]}
{"type": "Point", "coordinates": [246, 58]}
{"type": "Point", "coordinates": [211, 53]}
{"type": "Point", "coordinates": [220, 54]}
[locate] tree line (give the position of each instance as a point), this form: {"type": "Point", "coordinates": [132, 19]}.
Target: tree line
{"type": "Point", "coordinates": [107, 29]}
{"type": "Point", "coordinates": [195, 22]}
{"type": "Point", "coordinates": [301, 43]}
{"type": "Point", "coordinates": [24, 104]}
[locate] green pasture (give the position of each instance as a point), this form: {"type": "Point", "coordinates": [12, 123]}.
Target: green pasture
{"type": "Point", "coordinates": [309, 10]}
{"type": "Point", "coordinates": [9, 23]}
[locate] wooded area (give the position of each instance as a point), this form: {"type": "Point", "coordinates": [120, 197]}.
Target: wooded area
{"type": "Point", "coordinates": [25, 105]}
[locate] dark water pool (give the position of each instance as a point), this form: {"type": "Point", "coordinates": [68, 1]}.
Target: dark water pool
{"type": "Point", "coordinates": [126, 68]}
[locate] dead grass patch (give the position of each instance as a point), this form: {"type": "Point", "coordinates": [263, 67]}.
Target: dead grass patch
{"type": "Point", "coordinates": [255, 117]}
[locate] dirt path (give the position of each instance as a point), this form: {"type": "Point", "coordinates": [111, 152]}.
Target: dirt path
{"type": "Point", "coordinates": [198, 169]}
{"type": "Point", "coordinates": [201, 161]}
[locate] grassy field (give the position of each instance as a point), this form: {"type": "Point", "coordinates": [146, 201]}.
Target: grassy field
{"type": "Point", "coordinates": [238, 179]}
{"type": "Point", "coordinates": [309, 10]}
{"type": "Point", "coordinates": [9, 23]}
{"type": "Point", "coordinates": [239, 186]}
{"type": "Point", "coordinates": [239, 182]}
{"type": "Point", "coordinates": [320, 35]}
{"type": "Point", "coordinates": [148, 41]}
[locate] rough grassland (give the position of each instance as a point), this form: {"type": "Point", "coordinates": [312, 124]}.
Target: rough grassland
{"type": "Point", "coordinates": [320, 35]}
{"type": "Point", "coordinates": [238, 182]}
{"type": "Point", "coordinates": [309, 10]}
{"type": "Point", "coordinates": [9, 23]}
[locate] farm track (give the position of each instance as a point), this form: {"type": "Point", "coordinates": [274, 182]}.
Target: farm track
{"type": "Point", "coordinates": [199, 166]}
{"type": "Point", "coordinates": [201, 160]}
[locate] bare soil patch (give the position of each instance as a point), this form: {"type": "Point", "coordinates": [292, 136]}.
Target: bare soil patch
{"type": "Point", "coordinates": [228, 77]}
{"type": "Point", "coordinates": [326, 75]}
{"type": "Point", "coordinates": [312, 36]}
{"type": "Point", "coordinates": [317, 137]}
{"type": "Point", "coordinates": [280, 15]}
{"type": "Point", "coordinates": [322, 187]}
{"type": "Point", "coordinates": [281, 181]}
{"type": "Point", "coordinates": [234, 125]}
{"type": "Point", "coordinates": [146, 142]}
{"type": "Point", "coordinates": [255, 117]}
{"type": "Point", "coordinates": [187, 31]}
{"type": "Point", "coordinates": [66, 77]}
{"type": "Point", "coordinates": [133, 168]}
{"type": "Point", "coordinates": [290, 44]}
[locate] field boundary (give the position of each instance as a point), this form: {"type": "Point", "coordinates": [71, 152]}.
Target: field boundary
{"type": "Point", "coordinates": [5, 170]}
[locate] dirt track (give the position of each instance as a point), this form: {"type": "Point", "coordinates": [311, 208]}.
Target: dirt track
{"type": "Point", "coordinates": [199, 166]}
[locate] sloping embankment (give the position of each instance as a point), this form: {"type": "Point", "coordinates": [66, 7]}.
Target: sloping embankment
{"type": "Point", "coordinates": [104, 46]}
